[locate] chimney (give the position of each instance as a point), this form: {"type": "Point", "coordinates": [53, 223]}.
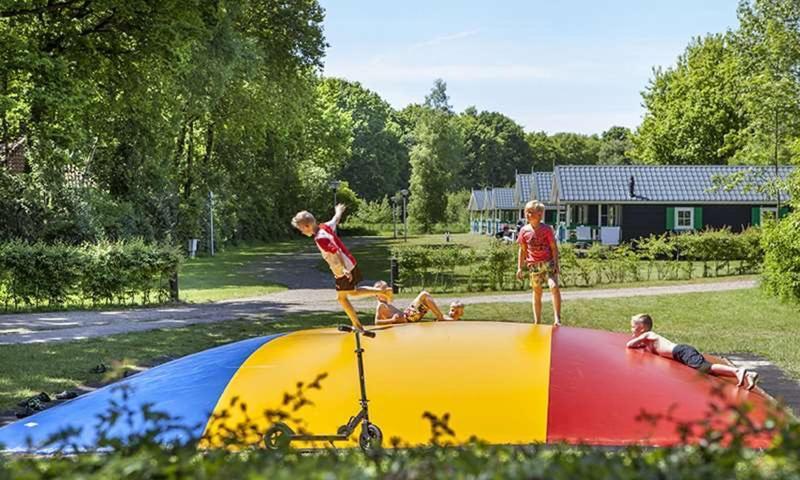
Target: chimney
{"type": "Point", "coordinates": [631, 187]}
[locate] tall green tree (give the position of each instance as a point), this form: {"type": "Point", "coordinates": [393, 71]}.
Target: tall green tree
{"type": "Point", "coordinates": [436, 153]}
{"type": "Point", "coordinates": [767, 44]}
{"type": "Point", "coordinates": [494, 148]}
{"type": "Point", "coordinates": [378, 162]}
{"type": "Point", "coordinates": [617, 143]}
{"type": "Point", "coordinates": [563, 148]}
{"type": "Point", "coordinates": [438, 99]}
{"type": "Point", "coordinates": [693, 108]}
{"type": "Point", "coordinates": [154, 104]}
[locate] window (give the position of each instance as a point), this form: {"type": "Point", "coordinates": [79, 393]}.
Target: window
{"type": "Point", "coordinates": [768, 213]}
{"type": "Point", "coordinates": [610, 215]}
{"type": "Point", "coordinates": [562, 215]}
{"type": "Point", "coordinates": [580, 214]}
{"type": "Point", "coordinates": [684, 218]}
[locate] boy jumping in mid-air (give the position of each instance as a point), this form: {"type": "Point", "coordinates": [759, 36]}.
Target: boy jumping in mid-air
{"type": "Point", "coordinates": [388, 314]}
{"type": "Point", "coordinates": [538, 251]}
{"type": "Point", "coordinates": [645, 338]}
{"type": "Point", "coordinates": [341, 261]}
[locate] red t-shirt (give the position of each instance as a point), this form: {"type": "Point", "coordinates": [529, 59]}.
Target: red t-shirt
{"type": "Point", "coordinates": [537, 243]}
{"type": "Point", "coordinates": [330, 245]}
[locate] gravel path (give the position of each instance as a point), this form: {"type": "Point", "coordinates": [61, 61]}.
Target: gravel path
{"type": "Point", "coordinates": [66, 326]}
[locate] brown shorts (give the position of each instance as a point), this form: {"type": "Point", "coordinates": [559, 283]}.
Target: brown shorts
{"type": "Point", "coordinates": [541, 273]}
{"type": "Point", "coordinates": [344, 284]}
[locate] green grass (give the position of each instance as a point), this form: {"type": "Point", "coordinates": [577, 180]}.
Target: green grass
{"type": "Point", "coordinates": [718, 322]}
{"type": "Point", "coordinates": [232, 273]}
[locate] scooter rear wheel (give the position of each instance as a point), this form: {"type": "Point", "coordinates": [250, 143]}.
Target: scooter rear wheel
{"type": "Point", "coordinates": [370, 439]}
{"type": "Point", "coordinates": [278, 437]}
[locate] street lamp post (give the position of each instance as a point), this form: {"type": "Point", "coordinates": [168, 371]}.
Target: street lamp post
{"type": "Point", "coordinates": [334, 184]}
{"type": "Point", "coordinates": [404, 193]}
{"type": "Point", "coordinates": [394, 214]}
{"type": "Point", "coordinates": [211, 221]}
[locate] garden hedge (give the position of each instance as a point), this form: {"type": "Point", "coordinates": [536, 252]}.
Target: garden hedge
{"type": "Point", "coordinates": [33, 274]}
{"type": "Point", "coordinates": [658, 257]}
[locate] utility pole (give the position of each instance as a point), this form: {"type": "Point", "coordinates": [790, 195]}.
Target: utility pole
{"type": "Point", "coordinates": [404, 193]}
{"type": "Point", "coordinates": [777, 177]}
{"type": "Point", "coordinates": [334, 184]}
{"type": "Point", "coordinates": [394, 215]}
{"type": "Point", "coordinates": [211, 221]}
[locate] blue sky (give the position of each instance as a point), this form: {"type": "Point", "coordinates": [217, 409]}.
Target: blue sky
{"type": "Point", "coordinates": [574, 66]}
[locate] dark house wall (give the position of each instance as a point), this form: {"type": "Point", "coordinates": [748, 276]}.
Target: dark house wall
{"type": "Point", "coordinates": [737, 217]}
{"type": "Point", "coordinates": [642, 220]}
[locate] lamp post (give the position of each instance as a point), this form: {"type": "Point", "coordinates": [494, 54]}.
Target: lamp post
{"type": "Point", "coordinates": [334, 184]}
{"type": "Point", "coordinates": [404, 193]}
{"type": "Point", "coordinates": [211, 221]}
{"type": "Point", "coordinates": [395, 201]}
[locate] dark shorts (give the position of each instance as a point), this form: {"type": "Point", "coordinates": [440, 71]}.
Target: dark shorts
{"type": "Point", "coordinates": [689, 356]}
{"type": "Point", "coordinates": [344, 284]}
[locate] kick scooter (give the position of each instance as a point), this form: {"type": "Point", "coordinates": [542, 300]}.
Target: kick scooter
{"type": "Point", "coordinates": [280, 435]}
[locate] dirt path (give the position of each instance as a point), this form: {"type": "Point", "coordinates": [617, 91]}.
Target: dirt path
{"type": "Point", "coordinates": [75, 325]}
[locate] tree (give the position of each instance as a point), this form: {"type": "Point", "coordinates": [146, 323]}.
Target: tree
{"type": "Point", "coordinates": [494, 148]}
{"type": "Point", "coordinates": [767, 44]}
{"type": "Point", "coordinates": [438, 98]}
{"type": "Point", "coordinates": [543, 151]}
{"type": "Point", "coordinates": [436, 152]}
{"type": "Point", "coordinates": [377, 151]}
{"type": "Point", "coordinates": [692, 108]}
{"type": "Point", "coordinates": [615, 147]}
{"type": "Point", "coordinates": [154, 104]}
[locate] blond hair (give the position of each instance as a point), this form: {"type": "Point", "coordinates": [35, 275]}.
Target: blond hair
{"type": "Point", "coordinates": [534, 205]}
{"type": "Point", "coordinates": [303, 218]}
{"type": "Point", "coordinates": [381, 284]}
{"type": "Point", "coordinates": [457, 304]}
{"type": "Point", "coordinates": [644, 319]}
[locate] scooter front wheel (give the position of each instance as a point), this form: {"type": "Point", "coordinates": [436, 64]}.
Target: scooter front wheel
{"type": "Point", "coordinates": [370, 439]}
{"type": "Point", "coordinates": [278, 437]}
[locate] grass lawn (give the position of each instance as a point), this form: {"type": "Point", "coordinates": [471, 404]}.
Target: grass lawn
{"type": "Point", "coordinates": [232, 273]}
{"type": "Point", "coordinates": [719, 322]}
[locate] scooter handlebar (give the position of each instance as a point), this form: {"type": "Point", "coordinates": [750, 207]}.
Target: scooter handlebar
{"type": "Point", "coordinates": [348, 328]}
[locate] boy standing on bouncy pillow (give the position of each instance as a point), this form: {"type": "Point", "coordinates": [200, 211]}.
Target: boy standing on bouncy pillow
{"type": "Point", "coordinates": [538, 252]}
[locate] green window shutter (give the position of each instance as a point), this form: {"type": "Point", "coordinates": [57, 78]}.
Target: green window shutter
{"type": "Point", "coordinates": [755, 216]}
{"type": "Point", "coordinates": [698, 218]}
{"type": "Point", "coordinates": [670, 219]}
{"type": "Point", "coordinates": [784, 211]}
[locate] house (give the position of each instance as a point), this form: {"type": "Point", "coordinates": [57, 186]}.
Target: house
{"type": "Point", "coordinates": [616, 203]}
{"type": "Point", "coordinates": [490, 208]}
{"type": "Point", "coordinates": [536, 186]}
{"type": "Point", "coordinates": [12, 156]}
{"type": "Point", "coordinates": [476, 211]}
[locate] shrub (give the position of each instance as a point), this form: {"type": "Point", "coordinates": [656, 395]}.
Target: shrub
{"type": "Point", "coordinates": [34, 273]}
{"type": "Point", "coordinates": [781, 244]}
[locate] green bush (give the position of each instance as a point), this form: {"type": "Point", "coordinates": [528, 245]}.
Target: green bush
{"type": "Point", "coordinates": [667, 257]}
{"type": "Point", "coordinates": [720, 454]}
{"type": "Point", "coordinates": [32, 274]}
{"type": "Point", "coordinates": [781, 243]}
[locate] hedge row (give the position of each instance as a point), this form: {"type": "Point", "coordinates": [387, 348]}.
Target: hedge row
{"type": "Point", "coordinates": [782, 260]}
{"type": "Point", "coordinates": [32, 274]}
{"type": "Point", "coordinates": [664, 257]}
{"type": "Point", "coordinates": [720, 454]}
